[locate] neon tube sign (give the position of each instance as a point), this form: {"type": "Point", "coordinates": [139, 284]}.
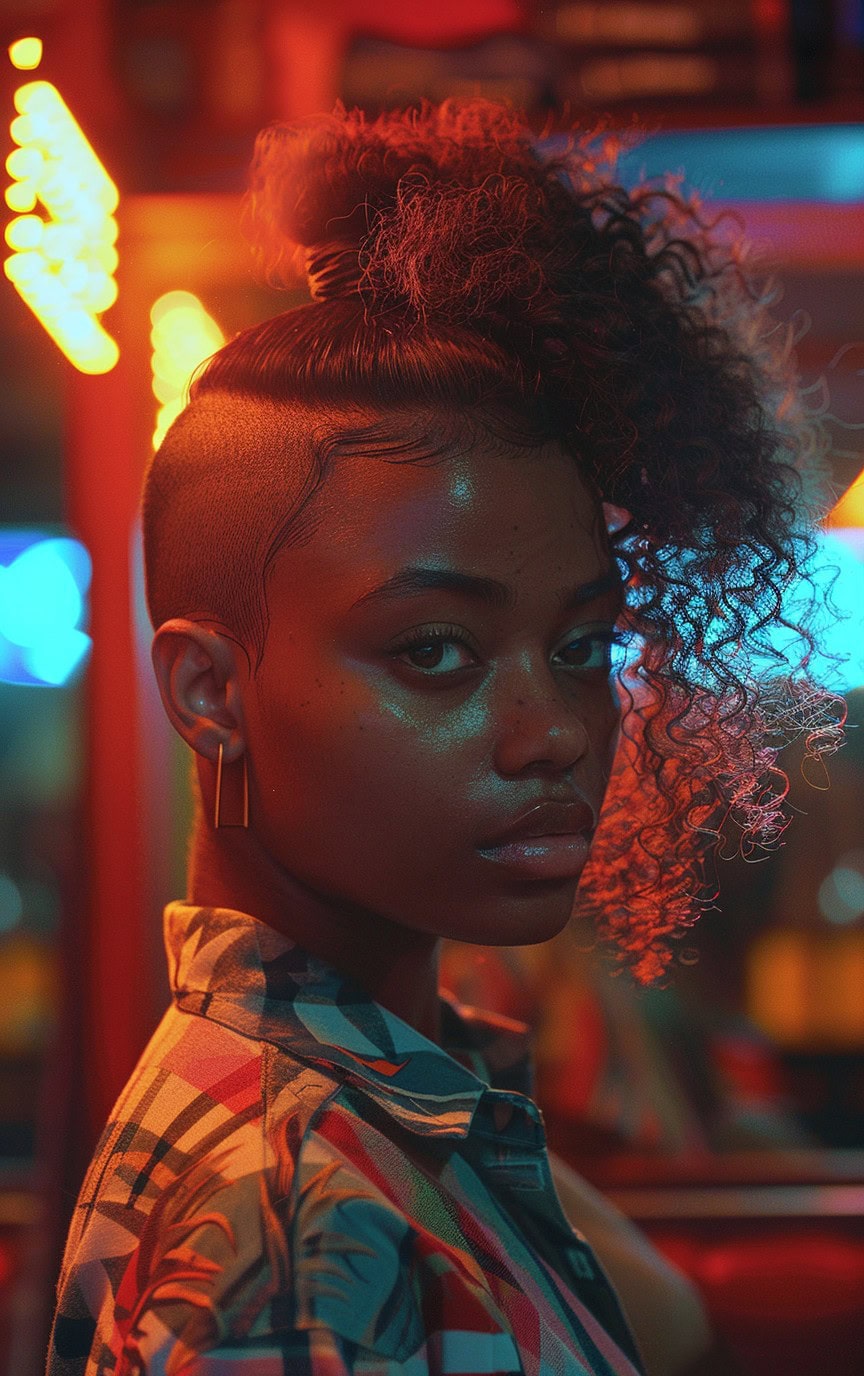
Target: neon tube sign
{"type": "Point", "coordinates": [63, 261]}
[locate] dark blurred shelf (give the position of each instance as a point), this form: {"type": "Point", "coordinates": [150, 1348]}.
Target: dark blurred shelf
{"type": "Point", "coordinates": [766, 1167]}
{"type": "Point", "coordinates": [679, 1203]}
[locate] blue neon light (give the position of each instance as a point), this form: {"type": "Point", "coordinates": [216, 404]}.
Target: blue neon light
{"type": "Point", "coordinates": [43, 608]}
{"type": "Point", "coordinates": [837, 571]}
{"type": "Point", "coordinates": [808, 162]}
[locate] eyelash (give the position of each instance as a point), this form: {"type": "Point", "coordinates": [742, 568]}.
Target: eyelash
{"type": "Point", "coordinates": [444, 634]}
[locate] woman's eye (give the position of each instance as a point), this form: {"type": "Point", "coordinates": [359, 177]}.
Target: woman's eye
{"type": "Point", "coordinates": [592, 651]}
{"type": "Point", "coordinates": [437, 652]}
{"type": "Point", "coordinates": [441, 650]}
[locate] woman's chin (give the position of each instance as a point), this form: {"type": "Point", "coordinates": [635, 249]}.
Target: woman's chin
{"type": "Point", "coordinates": [538, 914]}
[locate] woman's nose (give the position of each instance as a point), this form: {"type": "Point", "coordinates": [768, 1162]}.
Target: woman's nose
{"type": "Point", "coordinates": [540, 726]}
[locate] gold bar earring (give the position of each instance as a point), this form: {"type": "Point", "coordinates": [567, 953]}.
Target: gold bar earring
{"type": "Point", "coordinates": [218, 820]}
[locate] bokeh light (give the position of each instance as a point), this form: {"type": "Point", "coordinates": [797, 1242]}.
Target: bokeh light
{"type": "Point", "coordinates": [43, 588]}
{"type": "Point", "coordinates": [62, 266]}
{"type": "Point", "coordinates": [849, 511]}
{"type": "Point", "coordinates": [11, 904]}
{"type": "Point", "coordinates": [841, 893]}
{"type": "Point", "coordinates": [26, 54]}
{"type": "Point", "coordinates": [183, 336]}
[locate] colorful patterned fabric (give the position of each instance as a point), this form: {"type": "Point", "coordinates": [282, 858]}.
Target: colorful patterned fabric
{"type": "Point", "coordinates": [295, 1180]}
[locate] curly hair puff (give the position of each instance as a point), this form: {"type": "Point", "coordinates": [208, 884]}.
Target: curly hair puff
{"type": "Point", "coordinates": [474, 267]}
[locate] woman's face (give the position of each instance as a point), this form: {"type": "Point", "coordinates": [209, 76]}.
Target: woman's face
{"type": "Point", "coordinates": [390, 734]}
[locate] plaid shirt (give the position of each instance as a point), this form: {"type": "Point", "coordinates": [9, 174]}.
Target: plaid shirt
{"type": "Point", "coordinates": [295, 1180]}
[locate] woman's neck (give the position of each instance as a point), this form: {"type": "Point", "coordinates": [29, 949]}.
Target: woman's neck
{"type": "Point", "coordinates": [395, 965]}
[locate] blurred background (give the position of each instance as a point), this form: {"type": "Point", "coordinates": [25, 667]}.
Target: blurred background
{"type": "Point", "coordinates": [724, 1111]}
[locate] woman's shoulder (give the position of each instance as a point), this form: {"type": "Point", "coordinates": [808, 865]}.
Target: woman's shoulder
{"type": "Point", "coordinates": [232, 1200]}
{"type": "Point", "coordinates": [182, 1228]}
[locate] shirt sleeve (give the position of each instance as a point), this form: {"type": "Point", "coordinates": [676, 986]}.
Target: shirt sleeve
{"type": "Point", "coordinates": [218, 1284]}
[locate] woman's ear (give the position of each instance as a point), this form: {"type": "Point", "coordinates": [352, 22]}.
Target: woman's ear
{"type": "Point", "coordinates": [199, 672]}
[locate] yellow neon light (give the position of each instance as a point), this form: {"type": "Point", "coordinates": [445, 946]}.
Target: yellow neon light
{"type": "Point", "coordinates": [26, 54]}
{"type": "Point", "coordinates": [183, 336]}
{"type": "Point", "coordinates": [62, 266]}
{"type": "Point", "coordinates": [849, 511]}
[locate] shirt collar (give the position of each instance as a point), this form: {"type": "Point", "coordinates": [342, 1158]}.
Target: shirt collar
{"type": "Point", "coordinates": [242, 973]}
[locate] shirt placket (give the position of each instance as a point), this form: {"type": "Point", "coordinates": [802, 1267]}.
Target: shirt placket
{"type": "Point", "coordinates": [510, 1145]}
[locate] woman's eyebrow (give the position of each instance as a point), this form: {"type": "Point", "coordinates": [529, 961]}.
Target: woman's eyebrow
{"type": "Point", "coordinates": [414, 580]}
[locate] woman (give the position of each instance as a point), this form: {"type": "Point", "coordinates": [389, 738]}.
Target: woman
{"type": "Point", "coordinates": [390, 548]}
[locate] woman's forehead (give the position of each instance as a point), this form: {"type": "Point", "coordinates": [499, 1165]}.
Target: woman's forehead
{"type": "Point", "coordinates": [466, 492]}
{"type": "Point", "coordinates": [506, 516]}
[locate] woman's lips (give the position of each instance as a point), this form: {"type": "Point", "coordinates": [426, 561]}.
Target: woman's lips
{"type": "Point", "coordinates": [541, 857]}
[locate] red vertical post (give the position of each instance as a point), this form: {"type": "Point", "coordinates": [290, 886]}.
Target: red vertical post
{"type": "Point", "coordinates": [103, 475]}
